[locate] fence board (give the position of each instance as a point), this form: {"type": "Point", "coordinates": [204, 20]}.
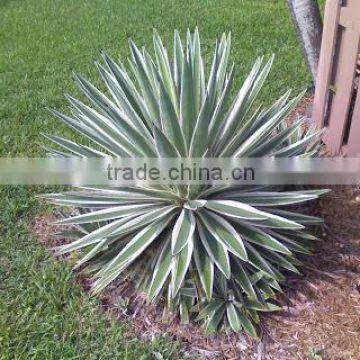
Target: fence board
{"type": "Point", "coordinates": [348, 53]}
{"type": "Point", "coordinates": [337, 68]}
{"type": "Point", "coordinates": [353, 147]}
{"type": "Point", "coordinates": [331, 20]}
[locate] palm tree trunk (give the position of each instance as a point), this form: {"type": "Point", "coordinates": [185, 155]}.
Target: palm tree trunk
{"type": "Point", "coordinates": [307, 19]}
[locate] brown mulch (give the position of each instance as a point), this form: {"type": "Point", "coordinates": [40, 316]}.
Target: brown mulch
{"type": "Point", "coordinates": [321, 308]}
{"type": "Point", "coordinates": [324, 305]}
{"type": "Point", "coordinates": [303, 109]}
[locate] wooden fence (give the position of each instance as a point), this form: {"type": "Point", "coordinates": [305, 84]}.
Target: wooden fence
{"type": "Point", "coordinates": [337, 98]}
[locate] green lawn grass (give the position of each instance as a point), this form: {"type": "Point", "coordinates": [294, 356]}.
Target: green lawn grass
{"type": "Point", "coordinates": [42, 313]}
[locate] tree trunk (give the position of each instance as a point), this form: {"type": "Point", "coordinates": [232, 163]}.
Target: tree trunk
{"type": "Point", "coordinates": [307, 19]}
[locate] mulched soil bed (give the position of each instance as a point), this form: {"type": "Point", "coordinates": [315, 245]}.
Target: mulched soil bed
{"type": "Point", "coordinates": [321, 308]}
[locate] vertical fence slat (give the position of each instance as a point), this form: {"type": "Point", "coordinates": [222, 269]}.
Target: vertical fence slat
{"type": "Point", "coordinates": [331, 20]}
{"type": "Point", "coordinates": [348, 53]}
{"type": "Point", "coordinates": [353, 146]}
{"type": "Point", "coordinates": [350, 18]}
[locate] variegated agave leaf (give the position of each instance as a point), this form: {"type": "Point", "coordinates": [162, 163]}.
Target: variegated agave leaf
{"type": "Point", "coordinates": [218, 254]}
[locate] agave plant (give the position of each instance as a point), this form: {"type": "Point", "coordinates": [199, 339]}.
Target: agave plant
{"type": "Point", "coordinates": [214, 253]}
